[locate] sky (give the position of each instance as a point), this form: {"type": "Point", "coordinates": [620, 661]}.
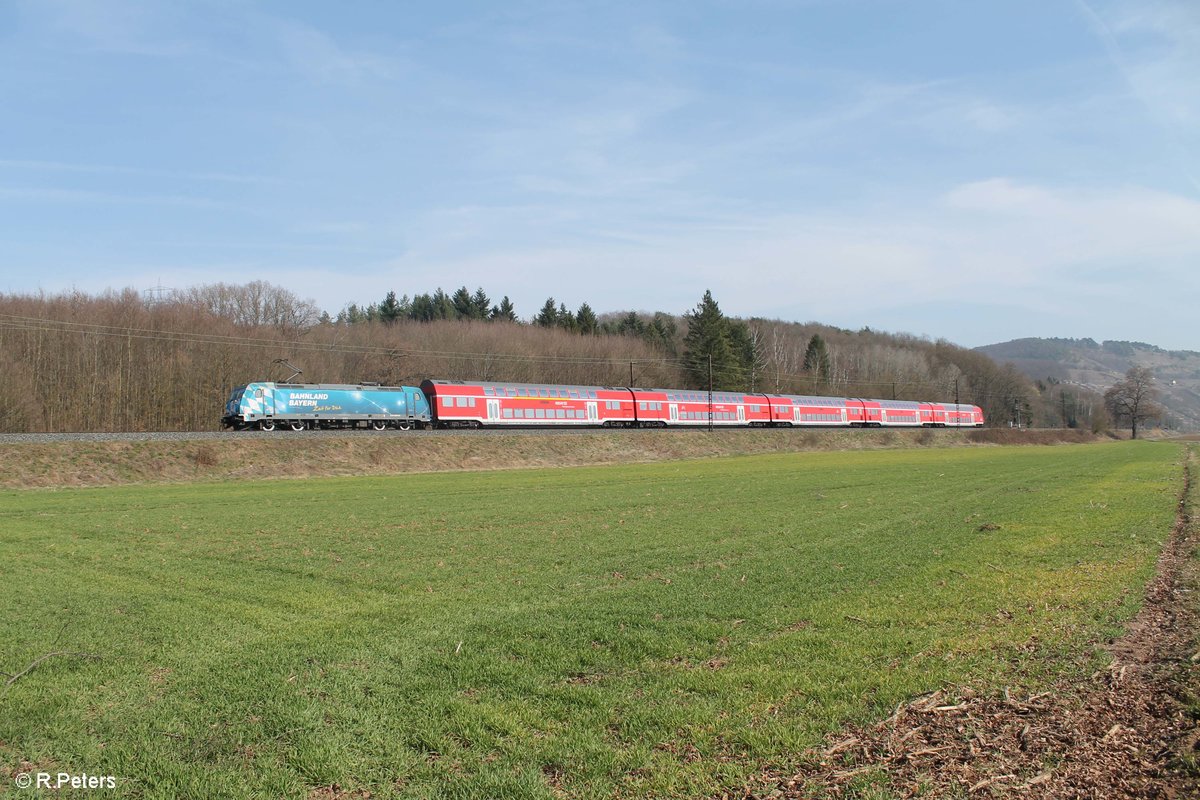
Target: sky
{"type": "Point", "coordinates": [974, 171]}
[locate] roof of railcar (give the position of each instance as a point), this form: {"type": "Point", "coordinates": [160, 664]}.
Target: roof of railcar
{"type": "Point", "coordinates": [734, 397]}
{"type": "Point", "coordinates": [902, 404]}
{"type": "Point", "coordinates": [813, 400]}
{"type": "Point", "coordinates": [519, 385]}
{"type": "Point", "coordinates": [337, 387]}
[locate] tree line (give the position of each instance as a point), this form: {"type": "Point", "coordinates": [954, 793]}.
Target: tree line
{"type": "Point", "coordinates": [428, 307]}
{"type": "Point", "coordinates": [122, 361]}
{"type": "Point", "coordinates": [464, 305]}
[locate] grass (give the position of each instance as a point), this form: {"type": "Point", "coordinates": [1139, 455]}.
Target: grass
{"type": "Point", "coordinates": [288, 455]}
{"type": "Point", "coordinates": [650, 630]}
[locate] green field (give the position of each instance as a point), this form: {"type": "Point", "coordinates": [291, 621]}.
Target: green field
{"type": "Point", "coordinates": [663, 629]}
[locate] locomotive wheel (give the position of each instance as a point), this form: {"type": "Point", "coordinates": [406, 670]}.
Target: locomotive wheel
{"type": "Point", "coordinates": [404, 425]}
{"type": "Point", "coordinates": [266, 425]}
{"type": "Point", "coordinates": [378, 425]}
{"type": "Point", "coordinates": [296, 425]}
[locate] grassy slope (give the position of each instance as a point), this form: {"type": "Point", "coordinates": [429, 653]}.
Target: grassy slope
{"type": "Point", "coordinates": [652, 629]}
{"type": "Point", "coordinates": [286, 455]}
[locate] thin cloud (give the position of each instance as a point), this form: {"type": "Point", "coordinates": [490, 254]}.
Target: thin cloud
{"type": "Point", "coordinates": [112, 169]}
{"type": "Point", "coordinates": [1024, 245]}
{"type": "Point", "coordinates": [115, 26]}
{"type": "Point", "coordinates": [1167, 75]}
{"type": "Point", "coordinates": [49, 195]}
{"type": "Point", "coordinates": [320, 58]}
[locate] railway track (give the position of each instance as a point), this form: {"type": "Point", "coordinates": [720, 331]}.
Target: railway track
{"type": "Point", "coordinates": [166, 436]}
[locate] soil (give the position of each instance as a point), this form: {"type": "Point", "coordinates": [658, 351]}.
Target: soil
{"type": "Point", "coordinates": [1128, 732]}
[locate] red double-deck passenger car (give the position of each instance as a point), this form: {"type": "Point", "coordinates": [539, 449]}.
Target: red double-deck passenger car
{"type": "Point", "coordinates": [467, 404]}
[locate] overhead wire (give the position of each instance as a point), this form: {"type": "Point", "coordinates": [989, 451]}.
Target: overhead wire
{"type": "Point", "coordinates": [48, 325]}
{"type": "Point", "coordinates": [63, 326]}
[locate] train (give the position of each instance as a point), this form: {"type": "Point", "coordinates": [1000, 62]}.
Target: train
{"type": "Point", "coordinates": [269, 406]}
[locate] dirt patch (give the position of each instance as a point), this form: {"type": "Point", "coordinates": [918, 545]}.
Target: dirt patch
{"type": "Point", "coordinates": [206, 456]}
{"type": "Point", "coordinates": [335, 792]}
{"type": "Point", "coordinates": [1129, 732]}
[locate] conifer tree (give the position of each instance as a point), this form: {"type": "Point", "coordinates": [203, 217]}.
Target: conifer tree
{"type": "Point", "coordinates": [548, 316]}
{"type": "Point", "coordinates": [749, 352]}
{"type": "Point", "coordinates": [661, 332]}
{"type": "Point", "coordinates": [566, 320]}
{"type": "Point", "coordinates": [504, 312]}
{"type": "Point", "coordinates": [631, 325]}
{"type": "Point", "coordinates": [443, 306]}
{"type": "Point", "coordinates": [352, 315]}
{"type": "Point", "coordinates": [816, 358]}
{"type": "Point", "coordinates": [708, 337]}
{"type": "Point", "coordinates": [389, 309]}
{"type": "Point", "coordinates": [585, 320]}
{"type": "Point", "coordinates": [421, 309]}
{"type": "Point", "coordinates": [480, 304]}
{"type": "Point", "coordinates": [463, 307]}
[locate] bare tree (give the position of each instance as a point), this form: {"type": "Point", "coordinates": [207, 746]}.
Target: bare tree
{"type": "Point", "coordinates": [1133, 397]}
{"type": "Point", "coordinates": [254, 304]}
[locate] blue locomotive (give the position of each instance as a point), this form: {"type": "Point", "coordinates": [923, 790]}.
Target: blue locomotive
{"type": "Point", "coordinates": [299, 406]}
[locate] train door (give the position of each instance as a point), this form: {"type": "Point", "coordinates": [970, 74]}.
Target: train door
{"type": "Point", "coordinates": [742, 414]}
{"type": "Point", "coordinates": [796, 414]}
{"type": "Point", "coordinates": [412, 408]}
{"type": "Point", "coordinates": [493, 409]}
{"type": "Point", "coordinates": [268, 400]}
{"type": "Point", "coordinates": [844, 419]}
{"type": "Point", "coordinates": [593, 411]}
{"type": "Point", "coordinates": [674, 412]}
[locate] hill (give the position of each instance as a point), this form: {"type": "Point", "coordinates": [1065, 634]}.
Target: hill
{"type": "Point", "coordinates": [1096, 366]}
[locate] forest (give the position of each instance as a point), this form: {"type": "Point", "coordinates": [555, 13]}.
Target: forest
{"type": "Point", "coordinates": [129, 361]}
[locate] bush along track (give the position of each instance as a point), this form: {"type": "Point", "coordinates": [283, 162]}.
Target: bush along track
{"type": "Point", "coordinates": [1128, 732]}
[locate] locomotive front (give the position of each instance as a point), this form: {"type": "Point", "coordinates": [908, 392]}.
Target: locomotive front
{"type": "Point", "coordinates": [230, 419]}
{"type": "Point", "coordinates": [248, 405]}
